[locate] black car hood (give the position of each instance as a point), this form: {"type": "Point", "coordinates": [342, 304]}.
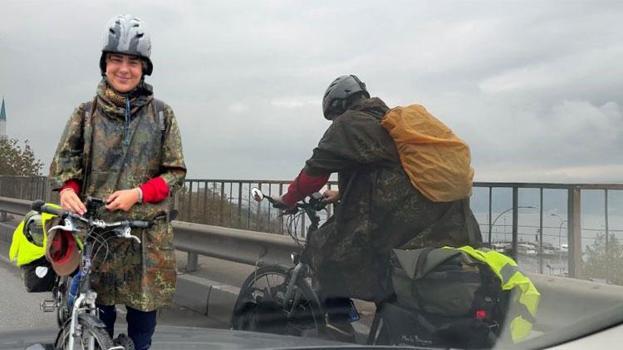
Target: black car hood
{"type": "Point", "coordinates": [182, 338]}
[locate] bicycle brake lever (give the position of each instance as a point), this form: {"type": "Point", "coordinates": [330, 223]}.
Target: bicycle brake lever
{"type": "Point", "coordinates": [126, 234]}
{"type": "Point", "coordinates": [68, 225]}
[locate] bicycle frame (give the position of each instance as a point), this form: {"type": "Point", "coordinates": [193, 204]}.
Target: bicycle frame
{"type": "Point", "coordinates": [295, 287]}
{"type": "Point", "coordinates": [301, 269]}
{"type": "Point", "coordinates": [85, 300]}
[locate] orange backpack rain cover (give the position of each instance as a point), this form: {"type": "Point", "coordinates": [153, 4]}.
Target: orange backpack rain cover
{"type": "Point", "coordinates": [435, 159]}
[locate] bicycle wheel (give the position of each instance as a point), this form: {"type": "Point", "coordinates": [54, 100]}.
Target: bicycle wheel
{"type": "Point", "coordinates": [261, 305]}
{"type": "Point", "coordinates": [88, 333]}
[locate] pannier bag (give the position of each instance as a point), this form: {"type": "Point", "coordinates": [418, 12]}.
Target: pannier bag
{"type": "Point", "coordinates": [28, 251]}
{"type": "Point", "coordinates": [449, 290]}
{"type": "Point", "coordinates": [38, 276]}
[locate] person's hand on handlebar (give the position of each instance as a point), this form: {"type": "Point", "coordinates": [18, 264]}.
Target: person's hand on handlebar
{"type": "Point", "coordinates": [71, 202]}
{"type": "Point", "coordinates": [122, 200]}
{"type": "Point", "coordinates": [330, 196]}
{"type": "Point", "coordinates": [280, 204]}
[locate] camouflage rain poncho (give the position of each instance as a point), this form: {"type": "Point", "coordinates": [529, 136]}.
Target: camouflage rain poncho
{"type": "Point", "coordinates": [113, 150]}
{"type": "Point", "coordinates": [379, 208]}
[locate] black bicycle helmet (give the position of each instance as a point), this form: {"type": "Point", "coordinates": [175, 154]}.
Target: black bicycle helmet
{"type": "Point", "coordinates": [33, 228]}
{"type": "Point", "coordinates": [126, 34]}
{"type": "Point", "coordinates": [339, 91]}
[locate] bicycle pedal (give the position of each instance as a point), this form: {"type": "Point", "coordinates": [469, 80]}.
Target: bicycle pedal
{"type": "Point", "coordinates": [48, 305]}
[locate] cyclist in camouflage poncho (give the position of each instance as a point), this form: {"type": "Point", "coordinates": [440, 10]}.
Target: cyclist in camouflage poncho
{"type": "Point", "coordinates": [379, 208]}
{"type": "Point", "coordinates": [125, 147]}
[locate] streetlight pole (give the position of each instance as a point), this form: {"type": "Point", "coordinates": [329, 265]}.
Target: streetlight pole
{"type": "Point", "coordinates": [500, 215]}
{"type": "Point", "coordinates": [559, 229]}
{"type": "Point", "coordinates": [559, 237]}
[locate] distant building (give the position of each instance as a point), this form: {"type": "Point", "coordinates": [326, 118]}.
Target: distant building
{"type": "Point", "coordinates": [3, 121]}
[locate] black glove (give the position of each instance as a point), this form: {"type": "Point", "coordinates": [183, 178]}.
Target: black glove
{"type": "Point", "coordinates": [279, 204]}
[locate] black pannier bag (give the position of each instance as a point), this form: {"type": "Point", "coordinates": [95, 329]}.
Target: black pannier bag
{"type": "Point", "coordinates": [38, 276]}
{"type": "Point", "coordinates": [443, 297]}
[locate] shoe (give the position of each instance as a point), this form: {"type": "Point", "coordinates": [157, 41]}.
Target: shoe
{"type": "Point", "coordinates": [125, 341]}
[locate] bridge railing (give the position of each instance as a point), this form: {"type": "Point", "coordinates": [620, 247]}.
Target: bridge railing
{"type": "Point", "coordinates": [530, 237]}
{"type": "Point", "coordinates": [545, 232]}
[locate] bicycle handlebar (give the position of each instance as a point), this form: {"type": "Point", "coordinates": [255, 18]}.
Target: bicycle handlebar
{"type": "Point", "coordinates": [315, 203]}
{"type": "Point", "coordinates": [42, 207]}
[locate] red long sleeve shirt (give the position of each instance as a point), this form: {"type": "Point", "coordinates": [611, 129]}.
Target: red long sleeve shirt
{"type": "Point", "coordinates": [154, 191]}
{"type": "Point", "coordinates": [302, 186]}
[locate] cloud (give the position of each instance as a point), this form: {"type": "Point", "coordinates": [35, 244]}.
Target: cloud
{"type": "Point", "coordinates": [593, 68]}
{"type": "Point", "coordinates": [609, 173]}
{"type": "Point", "coordinates": [238, 107]}
{"type": "Point", "coordinates": [294, 102]}
{"type": "Point", "coordinates": [533, 87]}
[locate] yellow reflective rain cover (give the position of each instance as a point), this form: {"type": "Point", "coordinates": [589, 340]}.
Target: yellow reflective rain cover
{"type": "Point", "coordinates": [435, 159]}
{"type": "Point", "coordinates": [23, 252]}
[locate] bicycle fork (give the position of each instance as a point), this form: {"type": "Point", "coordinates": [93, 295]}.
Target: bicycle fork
{"type": "Point", "coordinates": [78, 308]}
{"type": "Point", "coordinates": [72, 323]}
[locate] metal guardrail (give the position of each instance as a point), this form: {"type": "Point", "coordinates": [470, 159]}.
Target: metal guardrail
{"type": "Point", "coordinates": [242, 246]}
{"type": "Point", "coordinates": [13, 206]}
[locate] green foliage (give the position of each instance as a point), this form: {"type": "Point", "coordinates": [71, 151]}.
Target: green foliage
{"type": "Point", "coordinates": [16, 160]}
{"type": "Point", "coordinates": [604, 264]}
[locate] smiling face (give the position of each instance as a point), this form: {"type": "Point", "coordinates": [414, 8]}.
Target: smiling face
{"type": "Point", "coordinates": [123, 72]}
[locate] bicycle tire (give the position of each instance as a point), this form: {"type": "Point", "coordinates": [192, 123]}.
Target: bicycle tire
{"type": "Point", "coordinates": [306, 320]}
{"type": "Point", "coordinates": [101, 337]}
{"type": "Point", "coordinates": [125, 341]}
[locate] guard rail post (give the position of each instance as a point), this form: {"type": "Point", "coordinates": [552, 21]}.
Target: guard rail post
{"type": "Point", "coordinates": [574, 227]}
{"type": "Point", "coordinates": [192, 262]}
{"type": "Point", "coordinates": [515, 221]}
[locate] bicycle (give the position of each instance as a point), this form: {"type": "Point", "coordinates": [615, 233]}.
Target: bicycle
{"type": "Point", "coordinates": [292, 307]}
{"type": "Point", "coordinates": [77, 316]}
{"type": "Point", "coordinates": [287, 305]}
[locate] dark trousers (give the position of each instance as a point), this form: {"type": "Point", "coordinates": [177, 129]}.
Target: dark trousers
{"type": "Point", "coordinates": [141, 324]}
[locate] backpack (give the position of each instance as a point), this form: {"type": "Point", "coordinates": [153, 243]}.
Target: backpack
{"type": "Point", "coordinates": [435, 159]}
{"type": "Point", "coordinates": [450, 289]}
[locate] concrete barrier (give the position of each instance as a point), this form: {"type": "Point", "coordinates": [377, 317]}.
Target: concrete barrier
{"type": "Point", "coordinates": [565, 301]}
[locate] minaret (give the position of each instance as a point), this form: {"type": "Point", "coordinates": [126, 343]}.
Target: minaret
{"type": "Point", "coordinates": [2, 121]}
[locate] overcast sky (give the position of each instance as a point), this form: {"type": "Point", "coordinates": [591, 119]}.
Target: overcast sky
{"type": "Point", "coordinates": [535, 88]}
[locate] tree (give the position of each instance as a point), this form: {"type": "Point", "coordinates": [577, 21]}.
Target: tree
{"type": "Point", "coordinates": [17, 160]}
{"type": "Point", "coordinates": [608, 266]}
